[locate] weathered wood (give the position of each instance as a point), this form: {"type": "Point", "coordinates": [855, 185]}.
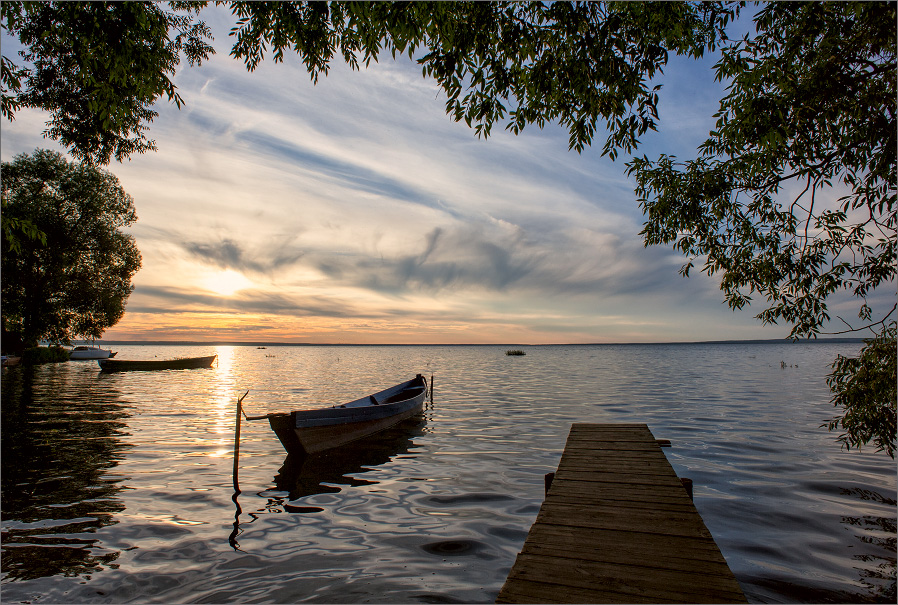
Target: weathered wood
{"type": "Point", "coordinates": [617, 526]}
{"type": "Point", "coordinates": [661, 585]}
{"type": "Point", "coordinates": [547, 480]}
{"type": "Point", "coordinates": [317, 430]}
{"type": "Point", "coordinates": [579, 538]}
{"type": "Point", "coordinates": [674, 552]}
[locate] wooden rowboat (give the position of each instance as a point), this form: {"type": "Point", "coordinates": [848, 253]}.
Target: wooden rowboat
{"type": "Point", "coordinates": [126, 365]}
{"type": "Point", "coordinates": [313, 431]}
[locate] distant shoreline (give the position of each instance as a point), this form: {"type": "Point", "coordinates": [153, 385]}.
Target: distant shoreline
{"type": "Point", "coordinates": [225, 343]}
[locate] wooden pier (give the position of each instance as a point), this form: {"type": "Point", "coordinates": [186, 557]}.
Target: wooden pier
{"type": "Point", "coordinates": [618, 526]}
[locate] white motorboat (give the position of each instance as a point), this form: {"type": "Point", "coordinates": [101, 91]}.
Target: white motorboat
{"type": "Point", "coordinates": [89, 352]}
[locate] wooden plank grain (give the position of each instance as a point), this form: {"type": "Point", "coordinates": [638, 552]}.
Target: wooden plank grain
{"type": "Point", "coordinates": [655, 524]}
{"type": "Point", "coordinates": [670, 504]}
{"type": "Point", "coordinates": [650, 557]}
{"type": "Point", "coordinates": [613, 491]}
{"type": "Point", "coordinates": [658, 584]}
{"type": "Point", "coordinates": [695, 548]}
{"type": "Point", "coordinates": [619, 476]}
{"type": "Point", "coordinates": [527, 591]}
{"type": "Point", "coordinates": [637, 464]}
{"type": "Point", "coordinates": [617, 526]}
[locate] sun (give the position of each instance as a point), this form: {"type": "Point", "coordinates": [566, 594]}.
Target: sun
{"type": "Point", "coordinates": [226, 283]}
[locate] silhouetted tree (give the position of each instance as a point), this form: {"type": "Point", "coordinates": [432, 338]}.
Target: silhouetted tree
{"type": "Point", "coordinates": [77, 284]}
{"type": "Point", "coordinates": [811, 104]}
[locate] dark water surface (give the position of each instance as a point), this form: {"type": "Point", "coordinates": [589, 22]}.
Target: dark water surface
{"type": "Point", "coordinates": [118, 488]}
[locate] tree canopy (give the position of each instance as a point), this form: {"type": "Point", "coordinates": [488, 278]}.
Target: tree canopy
{"type": "Point", "coordinates": [77, 284]}
{"type": "Point", "coordinates": [98, 67]}
{"type": "Point", "coordinates": [810, 107]}
{"type": "Point", "coordinates": [532, 62]}
{"type": "Point", "coordinates": [811, 100]}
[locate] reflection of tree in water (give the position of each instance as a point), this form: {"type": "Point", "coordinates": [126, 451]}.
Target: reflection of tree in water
{"type": "Point", "coordinates": [62, 431]}
{"type": "Point", "coordinates": [879, 576]}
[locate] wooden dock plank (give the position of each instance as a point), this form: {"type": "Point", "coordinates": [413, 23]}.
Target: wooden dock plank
{"type": "Point", "coordinates": [636, 581]}
{"type": "Point", "coordinates": [590, 539]}
{"type": "Point", "coordinates": [526, 591]}
{"type": "Point", "coordinates": [625, 555]}
{"type": "Point", "coordinates": [617, 526]}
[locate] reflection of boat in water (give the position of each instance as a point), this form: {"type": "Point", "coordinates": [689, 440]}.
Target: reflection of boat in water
{"type": "Point", "coordinates": [314, 431]}
{"type": "Point", "coordinates": [304, 475]}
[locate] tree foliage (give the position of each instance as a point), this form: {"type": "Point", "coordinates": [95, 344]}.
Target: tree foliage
{"type": "Point", "coordinates": [78, 283]}
{"type": "Point", "coordinates": [527, 62]}
{"type": "Point", "coordinates": [97, 68]}
{"type": "Point", "coordinates": [867, 387]}
{"type": "Point", "coordinates": [811, 103]}
{"type": "Point", "coordinates": [790, 199]}
{"type": "Point", "coordinates": [810, 109]}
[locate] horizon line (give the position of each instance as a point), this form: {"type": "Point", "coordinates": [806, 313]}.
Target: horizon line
{"type": "Point", "coordinates": [255, 343]}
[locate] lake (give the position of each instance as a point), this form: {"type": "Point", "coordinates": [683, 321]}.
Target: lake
{"type": "Point", "coordinates": [119, 488]}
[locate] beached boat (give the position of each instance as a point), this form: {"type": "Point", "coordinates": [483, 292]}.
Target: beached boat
{"type": "Point", "coordinates": [10, 361]}
{"type": "Point", "coordinates": [313, 431]}
{"type": "Point", "coordinates": [184, 363]}
{"type": "Point", "coordinates": [85, 352]}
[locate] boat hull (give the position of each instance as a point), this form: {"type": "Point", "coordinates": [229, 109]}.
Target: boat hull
{"type": "Point", "coordinates": [314, 431]}
{"type": "Point", "coordinates": [90, 353]}
{"type": "Point", "coordinates": [11, 361]}
{"type": "Point", "coordinates": [127, 365]}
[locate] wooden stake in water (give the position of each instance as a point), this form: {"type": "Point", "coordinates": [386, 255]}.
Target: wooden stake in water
{"type": "Point", "coordinates": [232, 539]}
{"type": "Point", "coordinates": [237, 440]}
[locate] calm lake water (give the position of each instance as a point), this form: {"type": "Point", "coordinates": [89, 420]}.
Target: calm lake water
{"type": "Point", "coordinates": [118, 488]}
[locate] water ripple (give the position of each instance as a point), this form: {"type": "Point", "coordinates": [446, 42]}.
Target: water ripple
{"type": "Point", "coordinates": [118, 488]}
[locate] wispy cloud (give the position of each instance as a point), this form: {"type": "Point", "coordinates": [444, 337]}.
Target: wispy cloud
{"type": "Point", "coordinates": [190, 300]}
{"type": "Point", "coordinates": [359, 211]}
{"type": "Point", "coordinates": [230, 254]}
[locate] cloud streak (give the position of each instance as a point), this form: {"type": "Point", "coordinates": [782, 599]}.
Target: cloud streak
{"type": "Point", "coordinates": [187, 300]}
{"type": "Point", "coordinates": [229, 254]}
{"type": "Point", "coordinates": [358, 211]}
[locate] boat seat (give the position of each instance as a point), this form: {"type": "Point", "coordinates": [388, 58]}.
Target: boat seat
{"type": "Point", "coordinates": [403, 395]}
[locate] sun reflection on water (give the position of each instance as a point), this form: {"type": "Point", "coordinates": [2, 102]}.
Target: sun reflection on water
{"type": "Point", "coordinates": [224, 401]}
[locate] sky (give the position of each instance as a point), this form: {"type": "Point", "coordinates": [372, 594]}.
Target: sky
{"type": "Point", "coordinates": [357, 211]}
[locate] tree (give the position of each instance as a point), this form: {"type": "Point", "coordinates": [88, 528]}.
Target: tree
{"type": "Point", "coordinates": [573, 62]}
{"type": "Point", "coordinates": [98, 67]}
{"type": "Point", "coordinates": [865, 386]}
{"type": "Point", "coordinates": [811, 100]}
{"type": "Point", "coordinates": [78, 283]}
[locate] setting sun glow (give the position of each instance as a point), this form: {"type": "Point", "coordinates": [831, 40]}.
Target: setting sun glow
{"type": "Point", "coordinates": [226, 282]}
